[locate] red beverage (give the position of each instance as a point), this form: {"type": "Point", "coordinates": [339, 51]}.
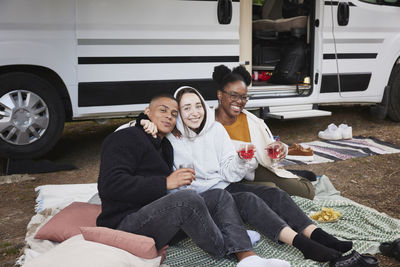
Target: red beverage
{"type": "Point", "coordinates": [273, 152]}
{"type": "Point", "coordinates": [247, 154]}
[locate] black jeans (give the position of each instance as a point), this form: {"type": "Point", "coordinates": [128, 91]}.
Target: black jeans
{"type": "Point", "coordinates": [211, 219]}
{"type": "Point", "coordinates": [268, 209]}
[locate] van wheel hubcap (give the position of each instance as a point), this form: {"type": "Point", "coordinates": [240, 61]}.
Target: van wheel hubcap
{"type": "Point", "coordinates": [24, 117]}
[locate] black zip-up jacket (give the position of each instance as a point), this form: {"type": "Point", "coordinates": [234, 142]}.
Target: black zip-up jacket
{"type": "Point", "coordinates": [132, 173]}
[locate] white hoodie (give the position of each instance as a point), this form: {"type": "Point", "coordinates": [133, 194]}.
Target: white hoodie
{"type": "Point", "coordinates": [216, 161]}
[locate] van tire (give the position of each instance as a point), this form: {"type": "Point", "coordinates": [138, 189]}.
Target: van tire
{"type": "Point", "coordinates": [394, 97]}
{"type": "Point", "coordinates": [31, 116]}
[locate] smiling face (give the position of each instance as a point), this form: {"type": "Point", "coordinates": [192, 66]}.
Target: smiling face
{"type": "Point", "coordinates": [163, 112]}
{"type": "Point", "coordinates": [231, 107]}
{"type": "Point", "coordinates": [191, 110]}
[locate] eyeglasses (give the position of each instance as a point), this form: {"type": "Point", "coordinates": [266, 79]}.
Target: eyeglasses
{"type": "Point", "coordinates": [236, 97]}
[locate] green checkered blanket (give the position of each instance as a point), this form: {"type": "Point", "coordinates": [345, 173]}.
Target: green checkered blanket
{"type": "Point", "coordinates": [365, 226]}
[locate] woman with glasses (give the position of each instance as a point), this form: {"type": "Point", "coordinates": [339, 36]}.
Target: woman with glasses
{"type": "Point", "coordinates": [245, 128]}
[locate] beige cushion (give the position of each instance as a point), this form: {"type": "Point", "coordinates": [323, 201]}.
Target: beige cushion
{"type": "Point", "coordinates": [78, 252]}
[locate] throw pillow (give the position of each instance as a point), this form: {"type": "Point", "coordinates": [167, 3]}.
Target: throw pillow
{"type": "Point", "coordinates": [139, 245]}
{"type": "Point", "coordinates": [66, 223]}
{"type": "Point", "coordinates": [78, 252]}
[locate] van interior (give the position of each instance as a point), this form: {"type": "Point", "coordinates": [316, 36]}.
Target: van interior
{"type": "Point", "coordinates": [281, 47]}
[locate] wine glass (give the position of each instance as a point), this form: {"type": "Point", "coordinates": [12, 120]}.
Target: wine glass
{"type": "Point", "coordinates": [275, 151]}
{"type": "Point", "coordinates": [187, 165]}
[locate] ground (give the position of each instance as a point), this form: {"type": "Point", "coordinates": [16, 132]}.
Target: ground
{"type": "Point", "coordinates": [373, 181]}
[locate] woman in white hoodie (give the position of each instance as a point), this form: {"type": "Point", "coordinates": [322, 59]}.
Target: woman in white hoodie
{"type": "Point", "coordinates": [270, 210]}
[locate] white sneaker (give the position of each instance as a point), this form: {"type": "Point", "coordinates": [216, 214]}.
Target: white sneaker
{"type": "Point", "coordinates": [256, 261]}
{"type": "Point", "coordinates": [331, 133]}
{"type": "Point", "coordinates": [347, 131]}
{"type": "Point", "coordinates": [336, 133]}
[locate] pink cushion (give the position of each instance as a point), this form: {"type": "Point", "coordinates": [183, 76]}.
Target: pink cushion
{"type": "Point", "coordinates": [139, 245]}
{"type": "Point", "coordinates": [66, 223]}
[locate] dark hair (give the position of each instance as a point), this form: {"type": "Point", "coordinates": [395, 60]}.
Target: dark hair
{"type": "Point", "coordinates": [223, 75]}
{"type": "Point", "coordinates": [164, 95]}
{"type": "Point", "coordinates": [192, 91]}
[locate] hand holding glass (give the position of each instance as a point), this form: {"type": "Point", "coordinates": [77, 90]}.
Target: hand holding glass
{"type": "Point", "coordinates": [276, 151]}
{"type": "Point", "coordinates": [246, 152]}
{"type": "Point", "coordinates": [188, 165]}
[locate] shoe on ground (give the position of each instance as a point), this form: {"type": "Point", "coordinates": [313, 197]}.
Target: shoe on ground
{"type": "Point", "coordinates": [391, 249]}
{"type": "Point", "coordinates": [355, 259]}
{"type": "Point", "coordinates": [298, 152]}
{"type": "Point", "coordinates": [347, 131]}
{"type": "Point", "coordinates": [336, 133]}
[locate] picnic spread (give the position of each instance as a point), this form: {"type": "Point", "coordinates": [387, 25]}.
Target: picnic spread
{"type": "Point", "coordinates": [367, 228]}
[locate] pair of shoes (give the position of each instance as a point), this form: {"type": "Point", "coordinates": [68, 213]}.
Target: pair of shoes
{"type": "Point", "coordinates": [298, 152]}
{"type": "Point", "coordinates": [355, 259]}
{"type": "Point", "coordinates": [336, 133]}
{"type": "Point", "coordinates": [391, 249]}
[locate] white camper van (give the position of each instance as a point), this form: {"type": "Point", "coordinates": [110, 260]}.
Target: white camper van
{"type": "Point", "coordinates": [66, 60]}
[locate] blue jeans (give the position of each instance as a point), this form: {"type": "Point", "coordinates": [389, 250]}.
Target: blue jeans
{"type": "Point", "coordinates": [211, 219]}
{"type": "Point", "coordinates": [268, 209]}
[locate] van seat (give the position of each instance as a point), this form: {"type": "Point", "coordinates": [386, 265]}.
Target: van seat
{"type": "Point", "coordinates": [272, 20]}
{"type": "Point", "coordinates": [281, 25]}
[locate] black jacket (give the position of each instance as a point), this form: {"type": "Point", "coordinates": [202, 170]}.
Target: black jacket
{"type": "Point", "coordinates": [132, 173]}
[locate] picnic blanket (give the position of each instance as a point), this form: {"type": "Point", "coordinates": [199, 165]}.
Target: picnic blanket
{"type": "Point", "coordinates": [357, 147]}
{"type": "Point", "coordinates": [365, 226]}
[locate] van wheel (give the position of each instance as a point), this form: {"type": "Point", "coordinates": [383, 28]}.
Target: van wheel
{"type": "Point", "coordinates": [31, 116]}
{"type": "Point", "coordinates": [394, 97]}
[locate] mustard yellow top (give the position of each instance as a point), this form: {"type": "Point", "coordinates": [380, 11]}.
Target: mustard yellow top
{"type": "Point", "coordinates": [239, 130]}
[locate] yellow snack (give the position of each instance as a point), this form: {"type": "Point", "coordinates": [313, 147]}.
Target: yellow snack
{"type": "Point", "coordinates": [326, 215]}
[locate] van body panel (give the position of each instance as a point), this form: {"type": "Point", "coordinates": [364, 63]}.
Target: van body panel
{"type": "Point", "coordinates": [367, 45]}
{"type": "Point", "coordinates": [141, 42]}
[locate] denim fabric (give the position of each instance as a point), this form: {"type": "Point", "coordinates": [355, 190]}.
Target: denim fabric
{"type": "Point", "coordinates": [211, 219]}
{"type": "Point", "coordinates": [268, 209]}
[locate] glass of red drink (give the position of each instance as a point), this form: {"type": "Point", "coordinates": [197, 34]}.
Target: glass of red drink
{"type": "Point", "coordinates": [247, 152]}
{"type": "Point", "coordinates": [275, 151]}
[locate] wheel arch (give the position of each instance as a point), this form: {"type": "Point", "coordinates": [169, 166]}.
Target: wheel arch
{"type": "Point", "coordinates": [50, 76]}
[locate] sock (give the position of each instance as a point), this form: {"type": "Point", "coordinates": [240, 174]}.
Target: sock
{"type": "Point", "coordinates": [313, 250]}
{"type": "Point", "coordinates": [330, 241]}
{"type": "Point", "coordinates": [256, 261]}
{"type": "Point", "coordinates": [254, 237]}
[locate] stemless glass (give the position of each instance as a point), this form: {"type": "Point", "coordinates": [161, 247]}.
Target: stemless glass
{"type": "Point", "coordinates": [246, 152]}
{"type": "Point", "coordinates": [187, 165]}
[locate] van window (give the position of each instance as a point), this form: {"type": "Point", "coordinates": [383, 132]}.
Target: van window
{"type": "Point", "coordinates": [383, 2]}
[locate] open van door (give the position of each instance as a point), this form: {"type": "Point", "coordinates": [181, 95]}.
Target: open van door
{"type": "Point", "coordinates": [131, 50]}
{"type": "Point", "coordinates": [361, 48]}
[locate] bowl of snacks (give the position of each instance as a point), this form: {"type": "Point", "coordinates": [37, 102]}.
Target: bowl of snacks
{"type": "Point", "coordinates": [326, 215]}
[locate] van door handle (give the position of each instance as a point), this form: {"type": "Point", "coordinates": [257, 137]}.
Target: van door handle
{"type": "Point", "coordinates": [224, 11]}
{"type": "Point", "coordinates": [343, 13]}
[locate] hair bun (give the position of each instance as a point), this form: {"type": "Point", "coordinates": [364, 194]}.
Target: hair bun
{"type": "Point", "coordinates": [244, 73]}
{"type": "Point", "coordinates": [220, 72]}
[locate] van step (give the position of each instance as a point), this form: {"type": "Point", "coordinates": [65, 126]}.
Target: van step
{"type": "Point", "coordinates": [294, 112]}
